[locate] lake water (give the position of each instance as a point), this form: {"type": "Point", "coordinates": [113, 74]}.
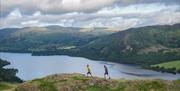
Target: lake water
{"type": "Point", "coordinates": [31, 67]}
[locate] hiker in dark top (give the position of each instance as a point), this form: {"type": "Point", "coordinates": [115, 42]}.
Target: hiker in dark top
{"type": "Point", "coordinates": [106, 72]}
{"type": "Point", "coordinates": [89, 71]}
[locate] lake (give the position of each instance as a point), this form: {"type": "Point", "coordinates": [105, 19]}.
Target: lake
{"type": "Point", "coordinates": [31, 67]}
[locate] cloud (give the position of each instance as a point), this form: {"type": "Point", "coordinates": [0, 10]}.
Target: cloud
{"type": "Point", "coordinates": [53, 6]}
{"type": "Point", "coordinates": [67, 6]}
{"type": "Point", "coordinates": [30, 23]}
{"type": "Point", "coordinates": [120, 14]}
{"type": "Point", "coordinates": [129, 2]}
{"type": "Point", "coordinates": [137, 9]}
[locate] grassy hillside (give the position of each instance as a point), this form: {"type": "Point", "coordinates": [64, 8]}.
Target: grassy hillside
{"type": "Point", "coordinates": [6, 86]}
{"type": "Point", "coordinates": [51, 38]}
{"type": "Point", "coordinates": [78, 82]}
{"type": "Point", "coordinates": [173, 66]}
{"type": "Point", "coordinates": [144, 45]}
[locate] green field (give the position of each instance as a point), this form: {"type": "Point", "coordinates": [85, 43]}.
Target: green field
{"type": "Point", "coordinates": [6, 86]}
{"type": "Point", "coordinates": [173, 64]}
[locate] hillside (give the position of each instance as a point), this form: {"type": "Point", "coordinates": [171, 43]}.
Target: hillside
{"type": "Point", "coordinates": [7, 86]}
{"type": "Point", "coordinates": [144, 45]}
{"type": "Point", "coordinates": [53, 38]}
{"type": "Point", "coordinates": [173, 66]}
{"type": "Point", "coordinates": [79, 82]}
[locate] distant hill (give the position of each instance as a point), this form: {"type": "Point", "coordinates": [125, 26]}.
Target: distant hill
{"type": "Point", "coordinates": [144, 45]}
{"type": "Point", "coordinates": [30, 39]}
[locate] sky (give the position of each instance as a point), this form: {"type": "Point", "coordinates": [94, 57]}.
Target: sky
{"type": "Point", "coordinates": [117, 14]}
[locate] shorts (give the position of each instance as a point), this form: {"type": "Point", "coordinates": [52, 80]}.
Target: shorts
{"type": "Point", "coordinates": [106, 73]}
{"type": "Point", "coordinates": [88, 72]}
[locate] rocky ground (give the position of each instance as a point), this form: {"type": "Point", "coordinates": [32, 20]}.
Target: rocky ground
{"type": "Point", "coordinates": [79, 82]}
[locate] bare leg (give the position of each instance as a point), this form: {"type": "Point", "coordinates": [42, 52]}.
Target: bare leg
{"type": "Point", "coordinates": [91, 75]}
{"type": "Point", "coordinates": [108, 76]}
{"type": "Point", "coordinates": [87, 74]}
{"type": "Point", "coordinates": [105, 76]}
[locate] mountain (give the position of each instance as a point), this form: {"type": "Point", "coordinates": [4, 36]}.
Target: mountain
{"type": "Point", "coordinates": [144, 45]}
{"type": "Point", "coordinates": [30, 39]}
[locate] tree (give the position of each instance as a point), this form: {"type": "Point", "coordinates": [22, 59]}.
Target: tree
{"type": "Point", "coordinates": [9, 74]}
